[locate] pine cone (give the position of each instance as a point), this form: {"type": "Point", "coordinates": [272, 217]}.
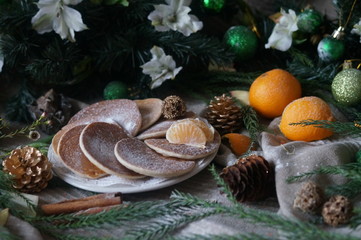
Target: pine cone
{"type": "Point", "coordinates": [338, 210]}
{"type": "Point", "coordinates": [309, 198]}
{"type": "Point", "coordinates": [173, 107]}
{"type": "Point", "coordinates": [56, 108]}
{"type": "Point", "coordinates": [250, 179]}
{"type": "Point", "coordinates": [30, 168]}
{"type": "Point", "coordinates": [224, 114]}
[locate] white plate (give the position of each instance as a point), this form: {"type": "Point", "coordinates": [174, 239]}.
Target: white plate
{"type": "Point", "coordinates": [117, 184]}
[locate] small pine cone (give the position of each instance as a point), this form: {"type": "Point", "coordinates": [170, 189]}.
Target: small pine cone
{"type": "Point", "coordinates": [309, 198]}
{"type": "Point", "coordinates": [30, 168]}
{"type": "Point", "coordinates": [174, 107]}
{"type": "Point", "coordinates": [338, 210]}
{"type": "Point", "coordinates": [224, 114]}
{"type": "Point", "coordinates": [250, 179]}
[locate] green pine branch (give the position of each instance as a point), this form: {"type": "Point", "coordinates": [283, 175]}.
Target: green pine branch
{"type": "Point", "coordinates": [343, 128]}
{"type": "Point", "coordinates": [351, 171]}
{"type": "Point", "coordinates": [250, 236]}
{"type": "Point", "coordinates": [6, 235]}
{"type": "Point", "coordinates": [356, 218]}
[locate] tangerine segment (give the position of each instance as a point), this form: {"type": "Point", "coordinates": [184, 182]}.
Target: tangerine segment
{"type": "Point", "coordinates": [238, 143]}
{"type": "Point", "coordinates": [306, 108]}
{"type": "Point", "coordinates": [271, 92]}
{"type": "Point", "coordinates": [206, 128]}
{"type": "Point", "coordinates": [186, 132]}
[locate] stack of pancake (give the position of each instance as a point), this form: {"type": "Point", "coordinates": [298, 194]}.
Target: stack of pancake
{"type": "Point", "coordinates": [125, 138]}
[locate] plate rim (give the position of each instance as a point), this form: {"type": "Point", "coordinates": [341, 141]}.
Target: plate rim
{"type": "Point", "coordinates": [201, 164]}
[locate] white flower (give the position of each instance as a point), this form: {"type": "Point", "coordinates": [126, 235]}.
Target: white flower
{"type": "Point", "coordinates": [357, 29]}
{"type": "Point", "coordinates": [160, 68]}
{"type": "Point", "coordinates": [174, 16]}
{"type": "Point", "coordinates": [56, 15]}
{"type": "Point", "coordinates": [281, 37]}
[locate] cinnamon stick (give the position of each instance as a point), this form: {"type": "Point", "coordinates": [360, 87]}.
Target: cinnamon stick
{"type": "Point", "coordinates": [75, 205]}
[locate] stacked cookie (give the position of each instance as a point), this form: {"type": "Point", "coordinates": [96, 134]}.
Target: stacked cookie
{"type": "Point", "coordinates": [125, 138]}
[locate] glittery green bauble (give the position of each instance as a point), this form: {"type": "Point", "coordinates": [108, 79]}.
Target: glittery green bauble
{"type": "Point", "coordinates": [115, 90]}
{"type": "Point", "coordinates": [330, 49]}
{"type": "Point", "coordinates": [309, 21]}
{"type": "Point", "coordinates": [346, 87]}
{"type": "Point", "coordinates": [242, 41]}
{"type": "Point", "coordinates": [215, 5]}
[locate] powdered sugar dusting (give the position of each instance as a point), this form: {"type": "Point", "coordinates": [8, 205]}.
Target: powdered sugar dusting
{"type": "Point", "coordinates": [98, 140]}
{"type": "Point", "coordinates": [183, 151]}
{"type": "Point", "coordinates": [122, 111]}
{"type": "Point", "coordinates": [136, 155]}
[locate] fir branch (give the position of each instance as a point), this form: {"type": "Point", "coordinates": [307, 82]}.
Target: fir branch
{"type": "Point", "coordinates": [252, 124]}
{"type": "Point", "coordinates": [349, 170]}
{"type": "Point", "coordinates": [159, 228]}
{"type": "Point", "coordinates": [250, 236]}
{"type": "Point", "coordinates": [343, 128]}
{"type": "Point", "coordinates": [222, 185]}
{"type": "Point", "coordinates": [350, 189]}
{"type": "Point", "coordinates": [62, 236]}
{"type": "Point", "coordinates": [301, 57]}
{"type": "Point", "coordinates": [204, 49]}
{"type": "Point", "coordinates": [56, 64]}
{"type": "Point", "coordinates": [115, 216]}
{"type": "Point", "coordinates": [291, 229]}
{"type": "Point", "coordinates": [17, 107]}
{"type": "Point", "coordinates": [6, 235]}
{"type": "Point", "coordinates": [356, 218]}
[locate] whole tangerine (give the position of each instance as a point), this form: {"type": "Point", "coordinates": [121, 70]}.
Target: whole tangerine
{"type": "Point", "coordinates": [271, 92]}
{"type": "Point", "coordinates": [306, 108]}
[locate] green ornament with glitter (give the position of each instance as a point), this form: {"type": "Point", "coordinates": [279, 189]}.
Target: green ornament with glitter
{"type": "Point", "coordinates": [214, 5]}
{"type": "Point", "coordinates": [115, 90]}
{"type": "Point", "coordinates": [242, 41]}
{"type": "Point", "coordinates": [309, 21]}
{"type": "Point", "coordinates": [346, 87]}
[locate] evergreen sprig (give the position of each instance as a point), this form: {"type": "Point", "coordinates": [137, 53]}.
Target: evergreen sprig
{"type": "Point", "coordinates": [351, 171]}
{"type": "Point", "coordinates": [250, 236]}
{"type": "Point", "coordinates": [343, 128]}
{"type": "Point", "coordinates": [6, 235]}
{"type": "Point", "coordinates": [356, 218]}
{"type": "Point", "coordinates": [7, 193]}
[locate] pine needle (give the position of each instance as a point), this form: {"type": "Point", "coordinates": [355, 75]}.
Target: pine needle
{"type": "Point", "coordinates": [342, 128]}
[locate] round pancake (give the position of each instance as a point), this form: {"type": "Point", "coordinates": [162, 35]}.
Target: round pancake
{"type": "Point", "coordinates": [72, 156]}
{"type": "Point", "coordinates": [159, 129]}
{"type": "Point", "coordinates": [124, 112]}
{"type": "Point", "coordinates": [183, 151]}
{"type": "Point", "coordinates": [56, 139]}
{"type": "Point", "coordinates": [97, 142]}
{"type": "Point", "coordinates": [135, 155]}
{"type": "Point", "coordinates": [151, 110]}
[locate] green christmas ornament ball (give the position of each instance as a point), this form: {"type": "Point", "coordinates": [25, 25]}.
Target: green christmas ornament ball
{"type": "Point", "coordinates": [346, 87]}
{"type": "Point", "coordinates": [330, 49]}
{"type": "Point", "coordinates": [242, 41]}
{"type": "Point", "coordinates": [309, 21]}
{"type": "Point", "coordinates": [215, 5]}
{"type": "Point", "coordinates": [115, 90]}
